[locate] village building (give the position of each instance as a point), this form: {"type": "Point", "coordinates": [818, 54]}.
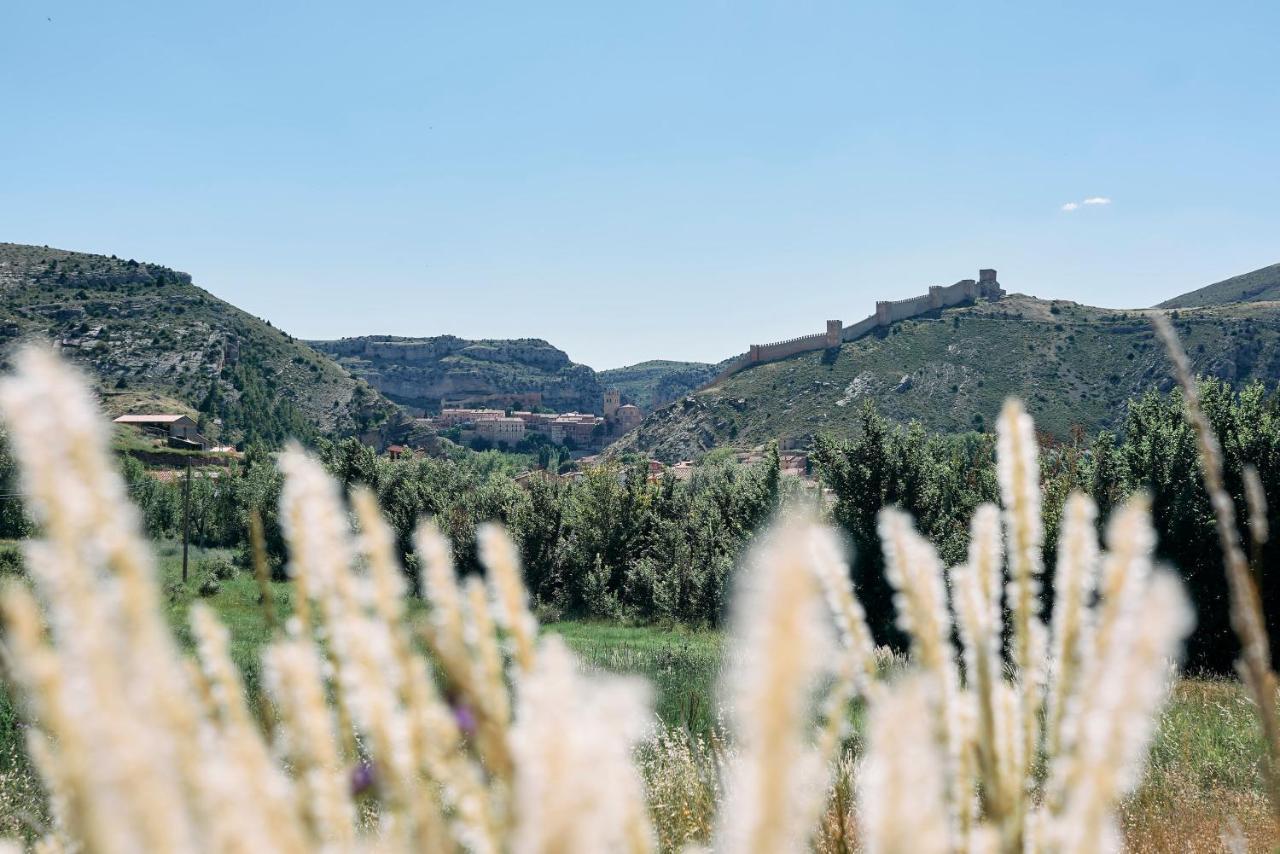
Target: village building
{"type": "Point", "coordinates": [502, 431]}
{"type": "Point", "coordinates": [579, 427]}
{"type": "Point", "coordinates": [628, 416]}
{"type": "Point", "coordinates": [454, 417]}
{"type": "Point", "coordinates": [683, 470]}
{"type": "Point", "coordinates": [180, 430]}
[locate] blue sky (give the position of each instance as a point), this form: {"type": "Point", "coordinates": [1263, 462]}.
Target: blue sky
{"type": "Point", "coordinates": [642, 180]}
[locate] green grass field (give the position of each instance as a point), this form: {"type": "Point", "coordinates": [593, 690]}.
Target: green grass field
{"type": "Point", "coordinates": [680, 664]}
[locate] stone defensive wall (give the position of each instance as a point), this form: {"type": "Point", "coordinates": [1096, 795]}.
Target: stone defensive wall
{"type": "Point", "coordinates": [887, 312]}
{"type": "Point", "coordinates": [781, 349]}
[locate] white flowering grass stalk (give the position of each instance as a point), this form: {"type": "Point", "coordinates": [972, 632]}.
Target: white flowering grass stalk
{"type": "Point", "coordinates": [105, 684]}
{"type": "Point", "coordinates": [967, 749]}
{"type": "Point", "coordinates": [913, 568]}
{"type": "Point", "coordinates": [782, 641]}
{"type": "Point", "coordinates": [902, 781]}
{"type": "Point", "coordinates": [1018, 470]}
{"type": "Point", "coordinates": [576, 786]}
{"type": "Point", "coordinates": [142, 750]}
{"type": "Point", "coordinates": [1075, 583]}
{"type": "Point", "coordinates": [855, 670]}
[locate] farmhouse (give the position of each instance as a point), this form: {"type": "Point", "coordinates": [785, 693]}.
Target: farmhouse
{"type": "Point", "coordinates": [180, 430]}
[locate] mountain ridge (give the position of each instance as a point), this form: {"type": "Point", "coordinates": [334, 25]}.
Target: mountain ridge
{"type": "Point", "coordinates": [1260, 285]}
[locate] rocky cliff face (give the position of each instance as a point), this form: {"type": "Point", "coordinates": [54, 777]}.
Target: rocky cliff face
{"type": "Point", "coordinates": [419, 372]}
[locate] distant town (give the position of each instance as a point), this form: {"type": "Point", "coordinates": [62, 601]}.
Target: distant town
{"type": "Point", "coordinates": [510, 426]}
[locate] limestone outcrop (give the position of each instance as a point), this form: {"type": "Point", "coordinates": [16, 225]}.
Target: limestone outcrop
{"type": "Point", "coordinates": [421, 372]}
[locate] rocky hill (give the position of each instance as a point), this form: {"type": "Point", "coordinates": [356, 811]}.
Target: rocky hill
{"type": "Point", "coordinates": [1259, 286]}
{"type": "Point", "coordinates": [653, 383]}
{"type": "Point", "coordinates": [421, 372]}
{"type": "Point", "coordinates": [154, 341]}
{"type": "Point", "coordinates": [1073, 364]}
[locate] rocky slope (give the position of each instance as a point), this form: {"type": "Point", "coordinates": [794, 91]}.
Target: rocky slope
{"type": "Point", "coordinates": [420, 372]}
{"type": "Point", "coordinates": [154, 341]}
{"type": "Point", "coordinates": [1073, 364]}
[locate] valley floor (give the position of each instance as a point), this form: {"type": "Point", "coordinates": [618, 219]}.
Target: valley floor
{"type": "Point", "coordinates": [1202, 791]}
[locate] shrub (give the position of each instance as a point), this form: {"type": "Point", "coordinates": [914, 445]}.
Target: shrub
{"type": "Point", "coordinates": [174, 591]}
{"type": "Point", "coordinates": [218, 568]}
{"type": "Point", "coordinates": [11, 562]}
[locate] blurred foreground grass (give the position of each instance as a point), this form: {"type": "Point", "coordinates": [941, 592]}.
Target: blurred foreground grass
{"type": "Point", "coordinates": [1203, 789]}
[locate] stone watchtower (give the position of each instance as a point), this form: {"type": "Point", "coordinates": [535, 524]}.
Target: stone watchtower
{"type": "Point", "coordinates": [835, 332]}
{"type": "Point", "coordinates": [612, 400]}
{"type": "Point", "coordinates": [988, 286]}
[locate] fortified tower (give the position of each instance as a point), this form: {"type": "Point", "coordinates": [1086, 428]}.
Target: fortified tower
{"type": "Point", "coordinates": [835, 331]}
{"type": "Point", "coordinates": [988, 287]}
{"type": "Point", "coordinates": [612, 400]}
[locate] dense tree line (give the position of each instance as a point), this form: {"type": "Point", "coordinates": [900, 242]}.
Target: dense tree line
{"type": "Point", "coordinates": [618, 543]}
{"type": "Point", "coordinates": [941, 479]}
{"type": "Point", "coordinates": [615, 544]}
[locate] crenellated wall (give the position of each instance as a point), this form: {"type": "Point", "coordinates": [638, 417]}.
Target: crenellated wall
{"type": "Point", "coordinates": [887, 312]}
{"type": "Point", "coordinates": [782, 349]}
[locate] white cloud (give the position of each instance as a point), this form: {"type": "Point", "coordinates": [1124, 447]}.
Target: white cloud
{"type": "Point", "coordinates": [1092, 201]}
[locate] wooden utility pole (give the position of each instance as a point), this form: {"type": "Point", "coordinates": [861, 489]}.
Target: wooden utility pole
{"type": "Point", "coordinates": [186, 521]}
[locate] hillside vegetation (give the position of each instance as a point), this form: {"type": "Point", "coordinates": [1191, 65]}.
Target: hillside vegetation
{"type": "Point", "coordinates": [1076, 366]}
{"type": "Point", "coordinates": [1259, 286]}
{"type": "Point", "coordinates": [420, 372]}
{"type": "Point", "coordinates": [151, 340]}
{"type": "Point", "coordinates": [658, 381]}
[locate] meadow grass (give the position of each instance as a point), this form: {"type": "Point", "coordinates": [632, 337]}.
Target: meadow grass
{"type": "Point", "coordinates": [237, 603]}
{"type": "Point", "coordinates": [1203, 786]}
{"type": "Point", "coordinates": [681, 664]}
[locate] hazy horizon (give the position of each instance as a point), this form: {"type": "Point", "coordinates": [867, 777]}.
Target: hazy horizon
{"type": "Point", "coordinates": [656, 182]}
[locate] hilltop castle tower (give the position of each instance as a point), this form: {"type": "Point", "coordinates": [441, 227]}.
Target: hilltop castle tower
{"type": "Point", "coordinates": [612, 400]}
